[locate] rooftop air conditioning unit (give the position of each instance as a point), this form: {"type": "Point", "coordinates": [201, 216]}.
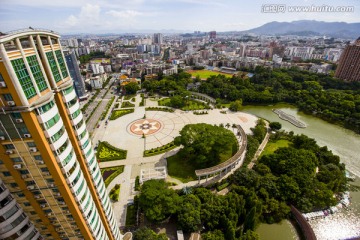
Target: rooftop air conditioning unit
{"type": "Point", "coordinates": [40, 162]}
{"type": "Point", "coordinates": [2, 84]}
{"type": "Point", "coordinates": [10, 103]}
{"type": "Point", "coordinates": [38, 196]}
{"type": "Point", "coordinates": [19, 120]}
{"type": "Point", "coordinates": [27, 135]}
{"type": "Point", "coordinates": [2, 138]}
{"type": "Point", "coordinates": [31, 187]}
{"type": "Point", "coordinates": [52, 185]}
{"type": "Point", "coordinates": [17, 166]}
{"type": "Point", "coordinates": [33, 149]}
{"type": "Point", "coordinates": [43, 205]}
{"type": "Point", "coordinates": [9, 151]}
{"type": "Point", "coordinates": [24, 176]}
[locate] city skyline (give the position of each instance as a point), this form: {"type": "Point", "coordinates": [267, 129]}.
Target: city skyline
{"type": "Point", "coordinates": [89, 16]}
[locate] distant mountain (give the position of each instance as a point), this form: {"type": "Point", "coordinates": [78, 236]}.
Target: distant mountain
{"type": "Point", "coordinates": [309, 27]}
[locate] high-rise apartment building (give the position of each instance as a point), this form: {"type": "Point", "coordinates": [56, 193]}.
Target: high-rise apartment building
{"type": "Point", "coordinates": [348, 68]}
{"type": "Point", "coordinates": [212, 34]}
{"type": "Point", "coordinates": [74, 71]}
{"type": "Point", "coordinates": [14, 223]}
{"type": "Point", "coordinates": [47, 160]}
{"type": "Point", "coordinates": [158, 38]}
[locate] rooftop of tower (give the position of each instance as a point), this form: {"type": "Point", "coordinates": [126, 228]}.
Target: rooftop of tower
{"type": "Point", "coordinates": [27, 31]}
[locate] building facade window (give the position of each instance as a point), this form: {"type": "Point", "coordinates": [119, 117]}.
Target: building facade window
{"type": "Point", "coordinates": [24, 77]}
{"type": "Point", "coordinates": [53, 66]}
{"type": "Point", "coordinates": [37, 73]}
{"type": "Point", "coordinates": [31, 144]}
{"type": "Point", "coordinates": [68, 90]}
{"type": "Point", "coordinates": [52, 121]}
{"type": "Point", "coordinates": [43, 109]}
{"type": "Point", "coordinates": [9, 146]}
{"type": "Point", "coordinates": [8, 97]}
{"type": "Point", "coordinates": [61, 62]}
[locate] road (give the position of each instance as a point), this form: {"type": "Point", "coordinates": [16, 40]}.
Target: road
{"type": "Point", "coordinates": [91, 124]}
{"type": "Point", "coordinates": [104, 96]}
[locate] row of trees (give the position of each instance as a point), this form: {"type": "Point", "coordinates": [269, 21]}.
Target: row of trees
{"type": "Point", "coordinates": [326, 97]}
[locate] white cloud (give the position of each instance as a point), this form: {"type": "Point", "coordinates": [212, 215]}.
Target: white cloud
{"type": "Point", "coordinates": [88, 14]}
{"type": "Point", "coordinates": [124, 14]}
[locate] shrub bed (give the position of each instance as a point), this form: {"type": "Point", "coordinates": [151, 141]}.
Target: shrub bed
{"type": "Point", "coordinates": [164, 109]}
{"type": "Point", "coordinates": [107, 152]}
{"type": "Point", "coordinates": [159, 150]}
{"type": "Point", "coordinates": [127, 105]}
{"type": "Point", "coordinates": [110, 173]}
{"type": "Point", "coordinates": [200, 113]}
{"type": "Point", "coordinates": [128, 97]}
{"type": "Point", "coordinates": [137, 184]}
{"type": "Point", "coordinates": [222, 186]}
{"type": "Point", "coordinates": [119, 113]}
{"type": "Point", "coordinates": [115, 192]}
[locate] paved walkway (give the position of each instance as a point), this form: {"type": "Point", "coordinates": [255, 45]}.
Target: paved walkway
{"type": "Point", "coordinates": [117, 134]}
{"type": "Point", "coordinates": [260, 149]}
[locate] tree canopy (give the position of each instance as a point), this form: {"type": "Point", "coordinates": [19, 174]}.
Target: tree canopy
{"type": "Point", "coordinates": [203, 144]}
{"type": "Point", "coordinates": [158, 201]}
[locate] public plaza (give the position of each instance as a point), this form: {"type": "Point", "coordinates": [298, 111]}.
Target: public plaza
{"type": "Point", "coordinates": [159, 128]}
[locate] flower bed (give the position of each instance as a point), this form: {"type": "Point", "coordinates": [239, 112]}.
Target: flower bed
{"type": "Point", "coordinates": [111, 173]}
{"type": "Point", "coordinates": [107, 152]}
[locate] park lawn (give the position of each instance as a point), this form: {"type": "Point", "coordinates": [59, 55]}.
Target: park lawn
{"type": "Point", "coordinates": [271, 147]}
{"type": "Point", "coordinates": [164, 102]}
{"type": "Point", "coordinates": [205, 74]}
{"type": "Point", "coordinates": [194, 105]}
{"type": "Point", "coordinates": [181, 169]}
{"type": "Point", "coordinates": [227, 154]}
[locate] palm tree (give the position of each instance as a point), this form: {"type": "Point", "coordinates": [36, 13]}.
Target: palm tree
{"type": "Point", "coordinates": [227, 125]}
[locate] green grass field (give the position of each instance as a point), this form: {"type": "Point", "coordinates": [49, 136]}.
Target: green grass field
{"type": "Point", "coordinates": [180, 169]}
{"type": "Point", "coordinates": [271, 147]}
{"type": "Point", "coordinates": [205, 74]}
{"type": "Point", "coordinates": [164, 102]}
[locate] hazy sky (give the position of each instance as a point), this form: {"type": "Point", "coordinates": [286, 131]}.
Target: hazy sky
{"type": "Point", "coordinates": [103, 16]}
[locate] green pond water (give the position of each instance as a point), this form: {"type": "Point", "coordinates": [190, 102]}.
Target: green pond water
{"type": "Point", "coordinates": [344, 143]}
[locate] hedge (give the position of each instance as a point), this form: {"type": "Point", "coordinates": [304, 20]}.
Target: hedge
{"type": "Point", "coordinates": [222, 186]}
{"type": "Point", "coordinates": [159, 150]}
{"type": "Point", "coordinates": [119, 113]}
{"type": "Point", "coordinates": [164, 109]}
